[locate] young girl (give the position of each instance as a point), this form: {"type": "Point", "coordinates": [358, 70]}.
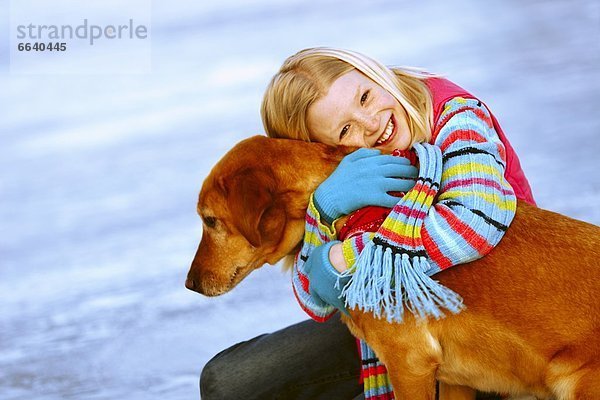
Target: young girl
{"type": "Point", "coordinates": [461, 205]}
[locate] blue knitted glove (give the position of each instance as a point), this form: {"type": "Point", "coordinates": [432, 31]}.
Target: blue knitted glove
{"type": "Point", "coordinates": [323, 277]}
{"type": "Point", "coordinates": [363, 178]}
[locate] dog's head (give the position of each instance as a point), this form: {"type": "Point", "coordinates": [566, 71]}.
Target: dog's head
{"type": "Point", "coordinates": [252, 207]}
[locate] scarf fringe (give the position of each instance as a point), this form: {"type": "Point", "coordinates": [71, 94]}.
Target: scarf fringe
{"type": "Point", "coordinates": [385, 283]}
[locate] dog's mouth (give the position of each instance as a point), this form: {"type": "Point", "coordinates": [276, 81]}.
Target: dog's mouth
{"type": "Point", "coordinates": [235, 278]}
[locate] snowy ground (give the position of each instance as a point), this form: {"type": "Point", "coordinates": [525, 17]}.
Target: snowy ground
{"type": "Point", "coordinates": [99, 173]}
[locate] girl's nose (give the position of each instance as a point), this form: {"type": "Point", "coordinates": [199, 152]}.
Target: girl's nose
{"type": "Point", "coordinates": [369, 122]}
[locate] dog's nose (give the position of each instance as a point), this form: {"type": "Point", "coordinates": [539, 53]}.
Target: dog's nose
{"type": "Point", "coordinates": [190, 284]}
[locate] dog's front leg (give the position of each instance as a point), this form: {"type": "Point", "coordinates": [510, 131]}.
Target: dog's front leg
{"type": "Point", "coordinates": [453, 392]}
{"type": "Point", "coordinates": [410, 353]}
{"type": "Point", "coordinates": [408, 386]}
{"type": "Point", "coordinates": [413, 378]}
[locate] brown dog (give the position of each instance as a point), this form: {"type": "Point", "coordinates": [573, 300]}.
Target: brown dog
{"type": "Point", "coordinates": [532, 322]}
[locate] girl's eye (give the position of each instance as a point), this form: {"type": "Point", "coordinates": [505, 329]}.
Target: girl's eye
{"type": "Point", "coordinates": [344, 132]}
{"type": "Point", "coordinates": [364, 97]}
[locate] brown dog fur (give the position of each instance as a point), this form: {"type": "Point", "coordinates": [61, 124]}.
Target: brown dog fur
{"type": "Point", "coordinates": [532, 322]}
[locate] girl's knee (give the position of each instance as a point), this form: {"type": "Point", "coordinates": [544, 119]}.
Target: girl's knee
{"type": "Point", "coordinates": [206, 382]}
{"type": "Point", "coordinates": [213, 384]}
{"type": "Point", "coordinates": [223, 376]}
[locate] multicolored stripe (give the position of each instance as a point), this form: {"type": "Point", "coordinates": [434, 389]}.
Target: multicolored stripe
{"type": "Point", "coordinates": [376, 382]}
{"type": "Point", "coordinates": [315, 234]}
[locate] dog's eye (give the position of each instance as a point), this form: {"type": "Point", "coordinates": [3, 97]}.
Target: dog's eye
{"type": "Point", "coordinates": [210, 222]}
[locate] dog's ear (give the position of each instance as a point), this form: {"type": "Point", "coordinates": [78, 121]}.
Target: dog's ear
{"type": "Point", "coordinates": [250, 197]}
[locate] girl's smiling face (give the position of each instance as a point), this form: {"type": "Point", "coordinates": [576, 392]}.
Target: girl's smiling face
{"type": "Point", "coordinates": [356, 111]}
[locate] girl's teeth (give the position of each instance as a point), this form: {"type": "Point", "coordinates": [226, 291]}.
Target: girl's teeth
{"type": "Point", "coordinates": [388, 132]}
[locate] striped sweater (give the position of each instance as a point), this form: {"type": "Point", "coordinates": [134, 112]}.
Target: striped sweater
{"type": "Point", "coordinates": [457, 212]}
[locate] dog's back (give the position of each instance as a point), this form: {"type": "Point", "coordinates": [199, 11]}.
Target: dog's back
{"type": "Point", "coordinates": [553, 260]}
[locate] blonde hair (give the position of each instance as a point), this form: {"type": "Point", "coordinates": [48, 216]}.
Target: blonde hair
{"type": "Point", "coordinates": [306, 76]}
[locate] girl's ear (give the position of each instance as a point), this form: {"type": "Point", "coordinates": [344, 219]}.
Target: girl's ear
{"type": "Point", "coordinates": [251, 201]}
